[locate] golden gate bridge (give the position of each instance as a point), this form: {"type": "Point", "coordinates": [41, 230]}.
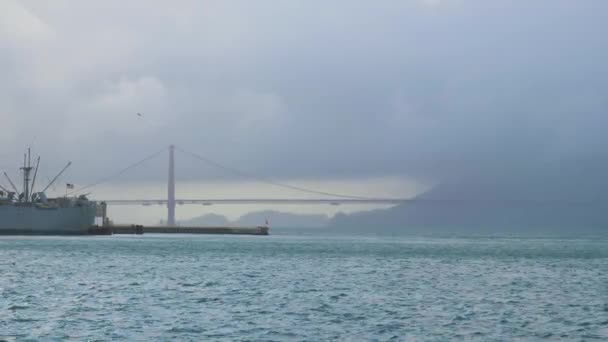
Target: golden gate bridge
{"type": "Point", "coordinates": [171, 201]}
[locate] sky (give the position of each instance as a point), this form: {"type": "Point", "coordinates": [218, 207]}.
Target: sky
{"type": "Point", "coordinates": [344, 96]}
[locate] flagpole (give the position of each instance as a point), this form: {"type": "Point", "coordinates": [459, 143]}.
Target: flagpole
{"type": "Point", "coordinates": [68, 186]}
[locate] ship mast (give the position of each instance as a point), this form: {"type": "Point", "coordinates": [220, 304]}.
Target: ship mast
{"type": "Point", "coordinates": [27, 168]}
{"type": "Point", "coordinates": [34, 179]}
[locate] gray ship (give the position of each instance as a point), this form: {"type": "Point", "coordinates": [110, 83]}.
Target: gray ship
{"type": "Point", "coordinates": [32, 213]}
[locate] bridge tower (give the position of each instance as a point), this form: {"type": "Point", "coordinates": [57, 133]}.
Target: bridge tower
{"type": "Point", "coordinates": [171, 188]}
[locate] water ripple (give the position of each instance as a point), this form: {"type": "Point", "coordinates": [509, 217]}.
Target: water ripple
{"type": "Point", "coordinates": [302, 288]}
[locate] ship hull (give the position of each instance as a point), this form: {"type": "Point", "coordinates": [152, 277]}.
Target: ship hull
{"type": "Point", "coordinates": [33, 220]}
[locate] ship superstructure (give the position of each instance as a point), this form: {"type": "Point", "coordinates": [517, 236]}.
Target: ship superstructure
{"type": "Point", "coordinates": [31, 212]}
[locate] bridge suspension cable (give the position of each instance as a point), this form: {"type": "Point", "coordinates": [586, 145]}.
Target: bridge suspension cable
{"type": "Point", "coordinates": [119, 173]}
{"type": "Point", "coordinates": [264, 179]}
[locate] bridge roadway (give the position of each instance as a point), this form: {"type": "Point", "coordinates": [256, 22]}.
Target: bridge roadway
{"type": "Point", "coordinates": [334, 201]}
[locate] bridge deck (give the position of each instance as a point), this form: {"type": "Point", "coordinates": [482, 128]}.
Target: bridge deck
{"type": "Point", "coordinates": [336, 201]}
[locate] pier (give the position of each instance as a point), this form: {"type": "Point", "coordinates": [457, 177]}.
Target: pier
{"type": "Point", "coordinates": [139, 229]}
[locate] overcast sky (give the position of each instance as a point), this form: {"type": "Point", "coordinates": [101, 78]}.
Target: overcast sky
{"type": "Point", "coordinates": [305, 90]}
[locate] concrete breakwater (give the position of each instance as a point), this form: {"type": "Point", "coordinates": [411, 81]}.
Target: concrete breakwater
{"type": "Point", "coordinates": [139, 229]}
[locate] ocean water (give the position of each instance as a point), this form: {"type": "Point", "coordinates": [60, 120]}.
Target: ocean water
{"type": "Point", "coordinates": [302, 288]}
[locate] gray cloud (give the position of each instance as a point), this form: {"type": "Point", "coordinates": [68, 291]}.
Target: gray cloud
{"type": "Point", "coordinates": [308, 89]}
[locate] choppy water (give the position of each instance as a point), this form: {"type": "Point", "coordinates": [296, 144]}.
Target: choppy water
{"type": "Point", "coordinates": [302, 288]}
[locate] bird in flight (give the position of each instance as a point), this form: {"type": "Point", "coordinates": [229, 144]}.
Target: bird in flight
{"type": "Point", "coordinates": [139, 114]}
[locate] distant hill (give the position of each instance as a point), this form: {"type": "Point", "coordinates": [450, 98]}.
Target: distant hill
{"type": "Point", "coordinates": [284, 220]}
{"type": "Point", "coordinates": [275, 218]}
{"type": "Point", "coordinates": [206, 220]}
{"type": "Point", "coordinates": [562, 202]}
